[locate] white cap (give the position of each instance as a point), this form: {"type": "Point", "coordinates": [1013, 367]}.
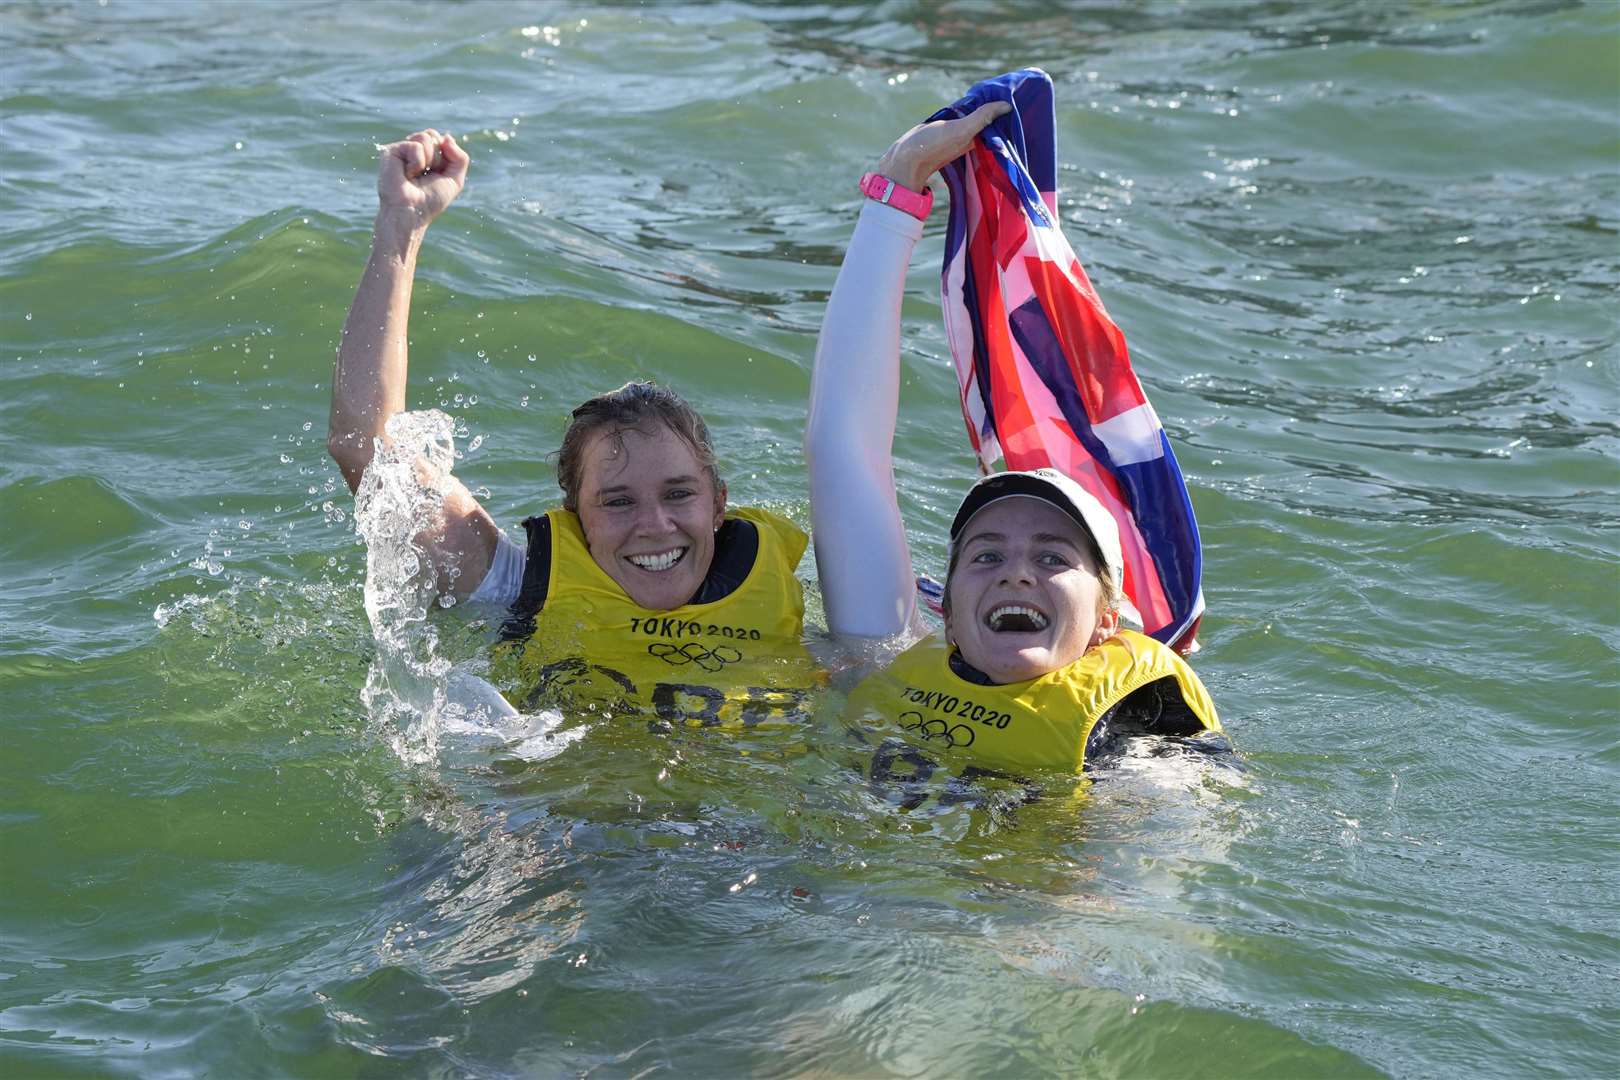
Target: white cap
{"type": "Point", "coordinates": [1061, 492]}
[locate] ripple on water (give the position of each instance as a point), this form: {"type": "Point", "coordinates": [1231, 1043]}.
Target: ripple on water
{"type": "Point", "coordinates": [1370, 291]}
{"type": "Point", "coordinates": [65, 516]}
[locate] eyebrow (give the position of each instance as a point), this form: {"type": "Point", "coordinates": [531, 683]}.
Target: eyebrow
{"type": "Point", "coordinates": [668, 480]}
{"type": "Point", "coordinates": [1039, 538]}
{"type": "Point", "coordinates": [985, 537]}
{"type": "Point", "coordinates": [1056, 538]}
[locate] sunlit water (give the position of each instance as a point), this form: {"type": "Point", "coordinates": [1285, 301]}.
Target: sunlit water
{"type": "Point", "coordinates": [256, 819]}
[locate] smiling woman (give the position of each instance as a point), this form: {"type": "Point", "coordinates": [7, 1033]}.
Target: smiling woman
{"type": "Point", "coordinates": [1029, 588]}
{"type": "Point", "coordinates": [641, 593]}
{"type": "Point", "coordinates": [637, 467]}
{"type": "Point", "coordinates": [641, 578]}
{"type": "Point", "coordinates": [1033, 671]}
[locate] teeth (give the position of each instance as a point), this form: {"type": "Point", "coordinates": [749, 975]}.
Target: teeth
{"type": "Point", "coordinates": [658, 562]}
{"type": "Point", "coordinates": [1009, 612]}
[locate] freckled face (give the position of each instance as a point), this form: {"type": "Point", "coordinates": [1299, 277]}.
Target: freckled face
{"type": "Point", "coordinates": [1025, 591]}
{"type": "Point", "coordinates": [649, 511]}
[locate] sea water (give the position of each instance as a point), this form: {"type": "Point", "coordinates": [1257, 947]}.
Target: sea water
{"type": "Point", "coordinates": [255, 820]}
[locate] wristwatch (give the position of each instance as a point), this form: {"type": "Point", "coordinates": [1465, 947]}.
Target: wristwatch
{"type": "Point", "coordinates": [886, 191]}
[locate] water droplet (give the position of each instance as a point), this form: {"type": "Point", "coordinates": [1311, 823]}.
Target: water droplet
{"type": "Point", "coordinates": [308, 424]}
{"type": "Point", "coordinates": [30, 318]}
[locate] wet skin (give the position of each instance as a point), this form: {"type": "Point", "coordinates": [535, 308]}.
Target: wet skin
{"type": "Point", "coordinates": [1025, 592]}
{"type": "Point", "coordinates": [649, 511]}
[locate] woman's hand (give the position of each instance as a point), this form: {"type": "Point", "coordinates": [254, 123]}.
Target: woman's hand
{"type": "Point", "coordinates": [920, 152]}
{"type": "Point", "coordinates": [421, 175]}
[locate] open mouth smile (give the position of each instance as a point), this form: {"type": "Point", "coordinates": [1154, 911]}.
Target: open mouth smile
{"type": "Point", "coordinates": [1016, 619]}
{"type": "Point", "coordinates": [659, 562]}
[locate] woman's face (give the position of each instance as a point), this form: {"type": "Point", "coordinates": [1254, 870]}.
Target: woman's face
{"type": "Point", "coordinates": [649, 511]}
{"type": "Point", "coordinates": [1025, 592]}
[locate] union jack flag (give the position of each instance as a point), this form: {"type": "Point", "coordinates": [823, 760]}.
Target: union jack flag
{"type": "Point", "coordinates": [1043, 371]}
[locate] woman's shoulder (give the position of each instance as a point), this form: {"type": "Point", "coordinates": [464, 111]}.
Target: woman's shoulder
{"type": "Point", "coordinates": [1129, 661]}
{"type": "Point", "coordinates": [1134, 650]}
{"type": "Point", "coordinates": [761, 516]}
{"type": "Point", "coordinates": [780, 528]}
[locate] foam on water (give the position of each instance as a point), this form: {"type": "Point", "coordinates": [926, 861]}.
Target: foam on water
{"type": "Point", "coordinates": [415, 694]}
{"type": "Point", "coordinates": [405, 688]}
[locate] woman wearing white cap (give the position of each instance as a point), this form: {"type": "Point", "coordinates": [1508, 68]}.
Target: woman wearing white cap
{"type": "Point", "coordinates": [1033, 669]}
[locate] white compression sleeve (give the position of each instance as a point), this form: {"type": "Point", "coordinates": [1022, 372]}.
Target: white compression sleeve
{"type": "Point", "coordinates": [861, 553]}
{"type": "Point", "coordinates": [504, 580]}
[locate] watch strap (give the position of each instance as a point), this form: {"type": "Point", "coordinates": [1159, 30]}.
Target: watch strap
{"type": "Point", "coordinates": [882, 189]}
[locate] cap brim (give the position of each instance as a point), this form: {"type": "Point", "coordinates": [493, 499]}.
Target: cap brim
{"type": "Point", "coordinates": [994, 488]}
{"type": "Point", "coordinates": [1005, 486]}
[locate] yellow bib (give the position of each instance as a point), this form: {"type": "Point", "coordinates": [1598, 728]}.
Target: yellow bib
{"type": "Point", "coordinates": [737, 661]}
{"type": "Point", "coordinates": [1040, 724]}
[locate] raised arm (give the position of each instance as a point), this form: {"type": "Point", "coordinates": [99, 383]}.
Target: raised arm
{"type": "Point", "coordinates": [861, 553]}
{"type": "Point", "coordinates": [416, 179]}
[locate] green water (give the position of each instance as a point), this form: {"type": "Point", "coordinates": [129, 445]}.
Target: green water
{"type": "Point", "coordinates": [1366, 255]}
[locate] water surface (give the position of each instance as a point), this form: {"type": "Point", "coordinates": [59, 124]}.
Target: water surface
{"type": "Point", "coordinates": [1365, 255]}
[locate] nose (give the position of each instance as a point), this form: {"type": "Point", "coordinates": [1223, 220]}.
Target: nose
{"type": "Point", "coordinates": [653, 518]}
{"type": "Point", "coordinates": [1018, 571]}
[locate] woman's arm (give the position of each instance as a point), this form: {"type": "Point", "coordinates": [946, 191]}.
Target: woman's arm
{"type": "Point", "coordinates": [416, 179]}
{"type": "Point", "coordinates": [861, 553]}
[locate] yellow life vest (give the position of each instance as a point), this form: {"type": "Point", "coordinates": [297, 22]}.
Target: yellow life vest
{"type": "Point", "coordinates": [1043, 723]}
{"type": "Point", "coordinates": [737, 661]}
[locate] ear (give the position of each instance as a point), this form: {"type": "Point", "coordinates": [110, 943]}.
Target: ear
{"type": "Point", "coordinates": [1107, 626]}
{"type": "Point", "coordinates": [720, 505]}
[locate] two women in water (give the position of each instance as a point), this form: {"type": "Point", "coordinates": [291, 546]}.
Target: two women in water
{"type": "Point", "coordinates": [643, 593]}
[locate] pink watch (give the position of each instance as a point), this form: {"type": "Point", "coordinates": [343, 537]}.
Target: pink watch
{"type": "Point", "coordinates": [886, 191]}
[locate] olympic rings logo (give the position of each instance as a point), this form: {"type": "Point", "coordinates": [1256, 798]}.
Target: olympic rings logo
{"type": "Point", "coordinates": [935, 728]}
{"type": "Point", "coordinates": [693, 652]}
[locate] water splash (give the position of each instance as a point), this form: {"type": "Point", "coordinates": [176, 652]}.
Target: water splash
{"type": "Point", "coordinates": [405, 692]}
{"type": "Point", "coordinates": [415, 693]}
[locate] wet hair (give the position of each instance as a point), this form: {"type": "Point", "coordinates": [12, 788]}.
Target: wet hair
{"type": "Point", "coordinates": [1108, 597]}
{"type": "Point", "coordinates": [632, 407]}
